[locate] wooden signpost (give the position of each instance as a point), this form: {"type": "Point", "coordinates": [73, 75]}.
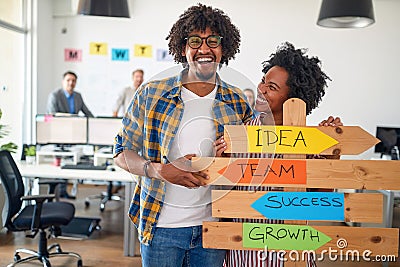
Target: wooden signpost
{"type": "Point", "coordinates": [295, 175]}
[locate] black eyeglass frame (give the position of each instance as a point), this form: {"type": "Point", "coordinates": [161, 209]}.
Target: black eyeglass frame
{"type": "Point", "coordinates": [219, 38]}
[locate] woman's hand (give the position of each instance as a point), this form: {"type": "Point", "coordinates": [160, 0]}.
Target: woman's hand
{"type": "Point", "coordinates": [331, 121]}
{"type": "Point", "coordinates": [220, 147]}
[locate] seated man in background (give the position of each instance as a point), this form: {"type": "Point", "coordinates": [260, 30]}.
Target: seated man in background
{"type": "Point", "coordinates": [66, 100]}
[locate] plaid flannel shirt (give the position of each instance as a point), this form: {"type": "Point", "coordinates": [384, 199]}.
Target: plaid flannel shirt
{"type": "Point", "coordinates": [149, 127]}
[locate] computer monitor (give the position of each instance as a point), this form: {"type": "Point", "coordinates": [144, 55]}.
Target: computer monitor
{"type": "Point", "coordinates": [102, 130]}
{"type": "Point", "coordinates": [61, 130]}
{"type": "Point", "coordinates": [389, 136]}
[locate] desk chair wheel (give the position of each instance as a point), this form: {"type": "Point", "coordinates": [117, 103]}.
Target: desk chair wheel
{"type": "Point", "coordinates": [104, 197]}
{"type": "Point", "coordinates": [102, 205]}
{"type": "Point", "coordinates": [17, 257]}
{"type": "Point", "coordinates": [79, 264]}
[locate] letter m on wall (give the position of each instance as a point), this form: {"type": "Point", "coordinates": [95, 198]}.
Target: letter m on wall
{"type": "Point", "coordinates": [74, 55]}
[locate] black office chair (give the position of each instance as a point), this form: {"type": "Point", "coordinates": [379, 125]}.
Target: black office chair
{"type": "Point", "coordinates": [32, 218]}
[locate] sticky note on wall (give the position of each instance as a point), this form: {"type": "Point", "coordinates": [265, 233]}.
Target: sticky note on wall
{"type": "Point", "coordinates": [120, 54]}
{"type": "Point", "coordinates": [98, 49]}
{"type": "Point", "coordinates": [143, 50]}
{"type": "Point", "coordinates": [72, 55]}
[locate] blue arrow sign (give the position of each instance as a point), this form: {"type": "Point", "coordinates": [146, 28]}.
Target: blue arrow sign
{"type": "Point", "coordinates": [319, 206]}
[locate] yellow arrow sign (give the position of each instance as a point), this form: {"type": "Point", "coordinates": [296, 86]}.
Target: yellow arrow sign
{"type": "Point", "coordinates": [350, 140]}
{"type": "Point", "coordinates": [287, 139]}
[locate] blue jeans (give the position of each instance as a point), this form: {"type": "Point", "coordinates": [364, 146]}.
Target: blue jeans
{"type": "Point", "coordinates": [180, 247]}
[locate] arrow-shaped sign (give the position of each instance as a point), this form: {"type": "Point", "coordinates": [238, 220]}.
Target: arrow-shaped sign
{"type": "Point", "coordinates": [348, 140]}
{"type": "Point", "coordinates": [287, 139]}
{"type": "Point", "coordinates": [321, 173]}
{"type": "Point", "coordinates": [282, 236]}
{"type": "Point", "coordinates": [267, 171]}
{"type": "Point", "coordinates": [237, 204]}
{"type": "Point", "coordinates": [378, 241]}
{"type": "Point", "coordinates": [322, 206]}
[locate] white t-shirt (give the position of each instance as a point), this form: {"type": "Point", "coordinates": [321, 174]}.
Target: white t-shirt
{"type": "Point", "coordinates": [185, 207]}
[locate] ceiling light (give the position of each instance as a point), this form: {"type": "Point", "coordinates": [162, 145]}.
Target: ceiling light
{"type": "Point", "coordinates": [346, 13]}
{"type": "Point", "coordinates": [107, 8]}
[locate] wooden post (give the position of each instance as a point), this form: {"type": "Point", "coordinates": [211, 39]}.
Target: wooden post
{"type": "Point", "coordinates": [294, 114]}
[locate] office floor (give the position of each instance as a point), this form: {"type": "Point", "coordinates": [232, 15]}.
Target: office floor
{"type": "Point", "coordinates": [103, 248]}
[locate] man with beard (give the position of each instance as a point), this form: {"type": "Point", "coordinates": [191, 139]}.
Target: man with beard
{"type": "Point", "coordinates": [169, 122]}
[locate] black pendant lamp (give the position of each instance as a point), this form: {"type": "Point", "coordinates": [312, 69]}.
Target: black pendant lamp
{"type": "Point", "coordinates": [107, 8]}
{"type": "Point", "coordinates": [346, 13]}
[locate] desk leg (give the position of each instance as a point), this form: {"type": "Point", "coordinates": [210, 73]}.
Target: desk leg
{"type": "Point", "coordinates": [130, 232]}
{"type": "Point", "coordinates": [388, 209]}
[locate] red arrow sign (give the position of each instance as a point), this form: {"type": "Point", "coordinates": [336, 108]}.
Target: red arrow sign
{"type": "Point", "coordinates": [266, 171]}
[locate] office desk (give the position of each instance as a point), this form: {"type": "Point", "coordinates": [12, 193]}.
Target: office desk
{"type": "Point", "coordinates": [52, 172]}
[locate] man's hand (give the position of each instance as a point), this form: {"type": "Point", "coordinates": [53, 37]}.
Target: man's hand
{"type": "Point", "coordinates": [180, 172]}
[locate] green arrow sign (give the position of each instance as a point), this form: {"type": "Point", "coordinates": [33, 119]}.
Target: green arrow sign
{"type": "Point", "coordinates": [282, 236]}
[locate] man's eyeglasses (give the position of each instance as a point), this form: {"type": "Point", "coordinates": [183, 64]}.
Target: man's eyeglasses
{"type": "Point", "coordinates": [213, 41]}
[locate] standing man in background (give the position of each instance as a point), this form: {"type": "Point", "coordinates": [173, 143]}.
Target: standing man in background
{"type": "Point", "coordinates": [125, 96]}
{"type": "Point", "coordinates": [66, 100]}
{"type": "Point", "coordinates": [123, 101]}
{"type": "Point", "coordinates": [249, 93]}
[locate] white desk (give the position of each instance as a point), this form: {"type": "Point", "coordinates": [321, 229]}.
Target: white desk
{"type": "Point", "coordinates": [52, 172]}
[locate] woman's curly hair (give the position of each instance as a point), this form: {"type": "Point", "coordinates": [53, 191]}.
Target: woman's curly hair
{"type": "Point", "coordinates": [198, 18]}
{"type": "Point", "coordinates": [306, 79]}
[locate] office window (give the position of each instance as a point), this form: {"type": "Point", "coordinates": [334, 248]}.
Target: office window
{"type": "Point", "coordinates": [11, 11]}
{"type": "Point", "coordinates": [12, 68]}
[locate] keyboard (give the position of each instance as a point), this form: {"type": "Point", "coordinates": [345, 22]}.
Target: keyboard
{"type": "Point", "coordinates": [83, 167]}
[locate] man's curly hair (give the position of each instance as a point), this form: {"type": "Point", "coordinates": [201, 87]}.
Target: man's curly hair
{"type": "Point", "coordinates": [198, 18]}
{"type": "Point", "coordinates": [306, 79]}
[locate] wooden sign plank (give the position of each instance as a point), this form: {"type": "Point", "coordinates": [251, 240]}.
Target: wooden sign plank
{"type": "Point", "coordinates": [320, 173]}
{"type": "Point", "coordinates": [352, 140]}
{"type": "Point", "coordinates": [237, 204]}
{"type": "Point", "coordinates": [380, 241]}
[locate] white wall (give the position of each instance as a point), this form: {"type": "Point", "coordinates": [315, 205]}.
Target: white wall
{"type": "Point", "coordinates": [363, 63]}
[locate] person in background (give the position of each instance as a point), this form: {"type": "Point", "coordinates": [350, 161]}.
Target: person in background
{"type": "Point", "coordinates": [125, 96]}
{"type": "Point", "coordinates": [289, 73]}
{"type": "Point", "coordinates": [168, 122]}
{"type": "Point", "coordinates": [123, 101]}
{"type": "Point", "coordinates": [249, 93]}
{"type": "Point", "coordinates": [67, 100]}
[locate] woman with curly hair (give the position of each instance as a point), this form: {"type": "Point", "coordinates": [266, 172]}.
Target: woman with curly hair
{"type": "Point", "coordinates": [289, 73]}
{"type": "Point", "coordinates": [167, 122]}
